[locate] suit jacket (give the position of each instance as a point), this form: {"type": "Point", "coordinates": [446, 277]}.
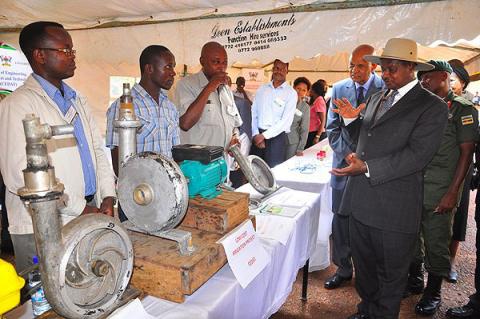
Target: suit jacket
{"type": "Point", "coordinates": [397, 147]}
{"type": "Point", "coordinates": [343, 141]}
{"type": "Point", "coordinates": [299, 128]}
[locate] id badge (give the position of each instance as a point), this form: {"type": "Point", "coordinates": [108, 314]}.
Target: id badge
{"type": "Point", "coordinates": [70, 115]}
{"type": "Point", "coordinates": [279, 102]}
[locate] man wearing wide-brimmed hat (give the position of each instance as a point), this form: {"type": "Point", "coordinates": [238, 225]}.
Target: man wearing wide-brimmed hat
{"type": "Point", "coordinates": [400, 133]}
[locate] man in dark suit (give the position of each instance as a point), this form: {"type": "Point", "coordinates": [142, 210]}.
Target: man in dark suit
{"type": "Point", "coordinates": [362, 83]}
{"type": "Point", "coordinates": [401, 130]}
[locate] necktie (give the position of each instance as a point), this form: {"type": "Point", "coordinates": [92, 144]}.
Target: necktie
{"type": "Point", "coordinates": [386, 104]}
{"type": "Point", "coordinates": [360, 96]}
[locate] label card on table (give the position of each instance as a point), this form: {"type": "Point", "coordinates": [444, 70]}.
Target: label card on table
{"type": "Point", "coordinates": [245, 254]}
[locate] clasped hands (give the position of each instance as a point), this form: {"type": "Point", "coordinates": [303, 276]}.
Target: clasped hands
{"type": "Point", "coordinates": [259, 141]}
{"type": "Point", "coordinates": [355, 166]}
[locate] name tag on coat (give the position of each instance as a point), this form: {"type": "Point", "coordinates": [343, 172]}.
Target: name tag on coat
{"type": "Point", "coordinates": [70, 116]}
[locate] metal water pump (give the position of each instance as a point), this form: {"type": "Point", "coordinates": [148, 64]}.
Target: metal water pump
{"type": "Point", "coordinates": [152, 190]}
{"type": "Point", "coordinates": [256, 170]}
{"type": "Point", "coordinates": [87, 264]}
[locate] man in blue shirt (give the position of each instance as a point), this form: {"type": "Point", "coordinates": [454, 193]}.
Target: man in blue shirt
{"type": "Point", "coordinates": [80, 161]}
{"type": "Point", "coordinates": [272, 115]}
{"type": "Point", "coordinates": [158, 115]}
{"type": "Point", "coordinates": [160, 128]}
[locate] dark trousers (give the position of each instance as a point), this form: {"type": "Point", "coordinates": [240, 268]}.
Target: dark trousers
{"type": "Point", "coordinates": [461, 216]}
{"type": "Point", "coordinates": [275, 150]}
{"type": "Point", "coordinates": [381, 268]}
{"type": "Point", "coordinates": [341, 252]}
{"type": "Point", "coordinates": [311, 137]}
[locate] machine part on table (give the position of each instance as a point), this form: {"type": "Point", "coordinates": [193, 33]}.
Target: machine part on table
{"type": "Point", "coordinates": [153, 192]}
{"type": "Point", "coordinates": [204, 167]}
{"type": "Point", "coordinates": [199, 153]}
{"type": "Point", "coordinates": [257, 172]}
{"type": "Point", "coordinates": [86, 265]}
{"type": "Point", "coordinates": [39, 177]}
{"type": "Point", "coordinates": [127, 125]}
{"type": "Point", "coordinates": [182, 237]}
{"type": "Point", "coordinates": [205, 179]}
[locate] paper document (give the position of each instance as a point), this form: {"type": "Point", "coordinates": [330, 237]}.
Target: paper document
{"type": "Point", "coordinates": [245, 254]}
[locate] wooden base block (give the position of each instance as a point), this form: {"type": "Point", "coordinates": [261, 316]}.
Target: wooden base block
{"type": "Point", "coordinates": [160, 270]}
{"type": "Point", "coordinates": [220, 214]}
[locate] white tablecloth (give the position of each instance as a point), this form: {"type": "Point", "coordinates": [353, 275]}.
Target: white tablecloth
{"type": "Point", "coordinates": [222, 296]}
{"type": "Point", "coordinates": [315, 178]}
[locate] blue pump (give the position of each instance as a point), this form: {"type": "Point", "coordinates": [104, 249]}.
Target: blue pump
{"type": "Point", "coordinates": [204, 179]}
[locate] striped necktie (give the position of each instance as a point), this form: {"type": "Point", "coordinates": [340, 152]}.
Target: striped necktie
{"type": "Point", "coordinates": [386, 104]}
{"type": "Point", "coordinates": [360, 95]}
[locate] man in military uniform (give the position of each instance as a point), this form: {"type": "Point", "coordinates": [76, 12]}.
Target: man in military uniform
{"type": "Point", "coordinates": [443, 183]}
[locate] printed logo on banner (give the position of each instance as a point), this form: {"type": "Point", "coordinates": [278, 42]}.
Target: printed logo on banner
{"type": "Point", "coordinates": [6, 60]}
{"type": "Point", "coordinates": [14, 68]}
{"type": "Point", "coordinates": [254, 34]}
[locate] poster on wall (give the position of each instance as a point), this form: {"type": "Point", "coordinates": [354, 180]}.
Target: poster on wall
{"type": "Point", "coordinates": [14, 68]}
{"type": "Point", "coordinates": [254, 78]}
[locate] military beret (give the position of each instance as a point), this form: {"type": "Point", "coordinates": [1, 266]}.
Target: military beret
{"type": "Point", "coordinates": [462, 74]}
{"type": "Point", "coordinates": [439, 65]}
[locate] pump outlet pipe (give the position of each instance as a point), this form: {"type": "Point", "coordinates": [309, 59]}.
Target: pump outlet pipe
{"type": "Point", "coordinates": [87, 264]}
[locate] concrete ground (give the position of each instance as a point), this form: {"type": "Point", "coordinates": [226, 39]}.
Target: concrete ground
{"type": "Point", "coordinates": [341, 302]}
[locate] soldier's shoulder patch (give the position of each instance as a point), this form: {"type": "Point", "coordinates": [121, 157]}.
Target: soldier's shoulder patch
{"type": "Point", "coordinates": [467, 119]}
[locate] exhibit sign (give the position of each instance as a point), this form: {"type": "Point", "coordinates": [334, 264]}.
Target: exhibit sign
{"type": "Point", "coordinates": [245, 254]}
{"type": "Point", "coordinates": [14, 68]}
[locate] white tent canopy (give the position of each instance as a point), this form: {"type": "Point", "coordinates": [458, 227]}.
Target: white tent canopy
{"type": "Point", "coordinates": [252, 32]}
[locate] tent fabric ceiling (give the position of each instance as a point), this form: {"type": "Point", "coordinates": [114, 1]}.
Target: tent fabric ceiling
{"type": "Point", "coordinates": [88, 13]}
{"type": "Point", "coordinates": [326, 36]}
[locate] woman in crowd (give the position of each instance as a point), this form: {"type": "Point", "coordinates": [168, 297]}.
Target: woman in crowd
{"type": "Point", "coordinates": [459, 81]}
{"type": "Point", "coordinates": [318, 112]}
{"type": "Point", "coordinates": [297, 138]}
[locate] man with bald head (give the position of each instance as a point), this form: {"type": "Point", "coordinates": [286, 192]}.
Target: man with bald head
{"type": "Point", "coordinates": [208, 114]}
{"type": "Point", "coordinates": [362, 83]}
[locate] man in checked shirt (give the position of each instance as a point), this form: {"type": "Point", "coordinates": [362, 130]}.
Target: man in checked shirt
{"type": "Point", "coordinates": [159, 116]}
{"type": "Point", "coordinates": [160, 128]}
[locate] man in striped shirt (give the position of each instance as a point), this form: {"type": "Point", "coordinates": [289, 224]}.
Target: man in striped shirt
{"type": "Point", "coordinates": [159, 116]}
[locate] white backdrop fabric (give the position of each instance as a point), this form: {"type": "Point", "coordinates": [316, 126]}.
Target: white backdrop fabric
{"type": "Point", "coordinates": [102, 53]}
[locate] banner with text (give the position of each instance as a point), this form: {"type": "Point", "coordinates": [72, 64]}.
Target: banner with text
{"type": "Point", "coordinates": [14, 68]}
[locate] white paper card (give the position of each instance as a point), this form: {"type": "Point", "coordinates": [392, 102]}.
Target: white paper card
{"type": "Point", "coordinates": [279, 229]}
{"type": "Point", "coordinates": [133, 309]}
{"type": "Point", "coordinates": [276, 210]}
{"type": "Point", "coordinates": [245, 254]}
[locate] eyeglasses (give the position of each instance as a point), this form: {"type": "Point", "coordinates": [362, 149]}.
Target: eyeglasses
{"type": "Point", "coordinates": [67, 52]}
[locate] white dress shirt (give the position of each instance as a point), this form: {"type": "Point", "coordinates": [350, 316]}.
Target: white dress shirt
{"type": "Point", "coordinates": [273, 109]}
